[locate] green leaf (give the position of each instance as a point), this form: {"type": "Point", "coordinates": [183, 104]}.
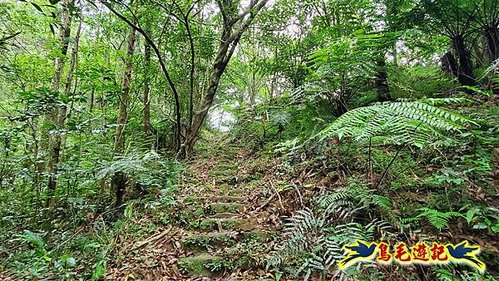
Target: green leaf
{"type": "Point", "coordinates": [93, 245]}
{"type": "Point", "coordinates": [37, 7]}
{"type": "Point", "coordinates": [471, 213]}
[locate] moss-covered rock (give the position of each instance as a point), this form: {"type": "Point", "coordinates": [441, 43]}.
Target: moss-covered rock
{"type": "Point", "coordinates": [211, 240]}
{"type": "Point", "coordinates": [226, 199]}
{"type": "Point", "coordinates": [220, 224]}
{"type": "Point", "coordinates": [257, 235]}
{"type": "Point", "coordinates": [201, 265]}
{"type": "Point", "coordinates": [226, 207]}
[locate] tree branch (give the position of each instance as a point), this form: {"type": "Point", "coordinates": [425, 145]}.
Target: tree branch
{"type": "Point", "coordinates": [160, 59]}
{"type": "Point", "coordinates": [2, 40]}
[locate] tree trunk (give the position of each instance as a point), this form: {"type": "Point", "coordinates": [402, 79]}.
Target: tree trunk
{"type": "Point", "coordinates": [492, 37]}
{"type": "Point", "coordinates": [200, 116]}
{"type": "Point", "coordinates": [271, 89]}
{"type": "Point", "coordinates": [91, 101]}
{"type": "Point", "coordinates": [53, 118]}
{"type": "Point", "coordinates": [273, 79]}
{"type": "Point", "coordinates": [253, 88]}
{"type": "Point", "coordinates": [178, 126]}
{"type": "Point", "coordinates": [449, 64]}
{"type": "Point", "coordinates": [465, 73]}
{"type": "Point", "coordinates": [232, 18]}
{"type": "Point", "coordinates": [495, 173]}
{"type": "Point", "coordinates": [228, 43]}
{"type": "Point", "coordinates": [381, 81]}
{"type": "Point", "coordinates": [148, 130]}
{"type": "Point", "coordinates": [339, 99]}
{"type": "Point", "coordinates": [191, 72]}
{"type": "Point", "coordinates": [119, 178]}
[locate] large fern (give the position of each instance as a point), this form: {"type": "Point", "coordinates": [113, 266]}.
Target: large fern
{"type": "Point", "coordinates": [415, 123]}
{"type": "Point", "coordinates": [149, 169]}
{"type": "Point", "coordinates": [438, 219]}
{"type": "Point", "coordinates": [313, 237]}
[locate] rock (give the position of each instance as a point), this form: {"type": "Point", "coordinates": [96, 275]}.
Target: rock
{"type": "Point", "coordinates": [201, 265]}
{"type": "Point", "coordinates": [226, 207]}
{"type": "Point", "coordinates": [211, 240]}
{"type": "Point", "coordinates": [221, 224]}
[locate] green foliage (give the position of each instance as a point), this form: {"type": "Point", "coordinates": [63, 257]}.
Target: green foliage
{"type": "Point", "coordinates": [38, 243]}
{"type": "Point", "coordinates": [436, 218]}
{"type": "Point", "coordinates": [312, 240]}
{"type": "Point", "coordinates": [416, 82]}
{"type": "Point", "coordinates": [483, 218]}
{"type": "Point", "coordinates": [148, 170]}
{"type": "Point", "coordinates": [415, 123]}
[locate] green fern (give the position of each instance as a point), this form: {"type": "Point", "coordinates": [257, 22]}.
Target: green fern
{"type": "Point", "coordinates": [355, 192]}
{"type": "Point", "coordinates": [149, 169]}
{"type": "Point", "coordinates": [38, 243]}
{"type": "Point", "coordinates": [443, 274]}
{"type": "Point", "coordinates": [436, 218]}
{"type": "Point", "coordinates": [403, 122]}
{"type": "Point", "coordinates": [127, 164]}
{"type": "Point", "coordinates": [313, 238]}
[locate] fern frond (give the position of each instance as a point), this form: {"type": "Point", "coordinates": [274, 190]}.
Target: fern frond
{"type": "Point", "coordinates": [443, 274]}
{"type": "Point", "coordinates": [437, 218]}
{"type": "Point", "coordinates": [416, 123]}
{"type": "Point", "coordinates": [313, 237]}
{"type": "Point", "coordinates": [381, 201]}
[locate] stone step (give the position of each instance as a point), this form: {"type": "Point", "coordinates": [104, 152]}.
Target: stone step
{"type": "Point", "coordinates": [197, 242]}
{"type": "Point", "coordinates": [202, 265]}
{"type": "Point", "coordinates": [221, 224]}
{"type": "Point", "coordinates": [257, 235]}
{"type": "Point", "coordinates": [224, 215]}
{"type": "Point", "coordinates": [230, 258]}
{"type": "Point", "coordinates": [210, 241]}
{"type": "Point", "coordinates": [220, 207]}
{"type": "Point", "coordinates": [226, 199]}
{"type": "Point", "coordinates": [228, 188]}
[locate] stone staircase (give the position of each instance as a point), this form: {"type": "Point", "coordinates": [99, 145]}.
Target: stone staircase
{"type": "Point", "coordinates": [216, 243]}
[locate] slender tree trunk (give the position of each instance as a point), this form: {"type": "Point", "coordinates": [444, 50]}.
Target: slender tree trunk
{"type": "Point", "coordinates": [53, 119]}
{"type": "Point", "coordinates": [395, 54]}
{"type": "Point", "coordinates": [231, 35]}
{"type": "Point", "coordinates": [119, 179]}
{"type": "Point", "coordinates": [341, 105]}
{"type": "Point", "coordinates": [91, 101]}
{"type": "Point", "coordinates": [492, 38]}
{"type": "Point", "coordinates": [192, 71]}
{"type": "Point", "coordinates": [465, 74]}
{"type": "Point", "coordinates": [273, 79]}
{"type": "Point", "coordinates": [148, 130]}
{"type": "Point", "coordinates": [381, 81]}
{"type": "Point", "coordinates": [271, 89]}
{"type": "Point", "coordinates": [200, 116]}
{"type": "Point", "coordinates": [253, 89]}
{"type": "Point", "coordinates": [178, 126]}
{"type": "Point", "coordinates": [449, 64]}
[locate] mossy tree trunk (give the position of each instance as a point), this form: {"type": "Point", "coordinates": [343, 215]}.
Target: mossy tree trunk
{"type": "Point", "coordinates": [119, 178]}
{"type": "Point", "coordinates": [381, 80]}
{"type": "Point", "coordinates": [57, 113]}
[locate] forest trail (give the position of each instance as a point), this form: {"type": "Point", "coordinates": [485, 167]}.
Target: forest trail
{"type": "Point", "coordinates": [217, 230]}
{"type": "Point", "coordinates": [248, 140]}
